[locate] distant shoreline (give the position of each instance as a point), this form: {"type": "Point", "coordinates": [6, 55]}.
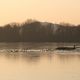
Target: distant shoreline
{"type": "Point", "coordinates": [36, 31]}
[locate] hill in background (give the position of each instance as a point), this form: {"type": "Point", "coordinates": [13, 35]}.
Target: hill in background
{"type": "Point", "coordinates": [36, 31]}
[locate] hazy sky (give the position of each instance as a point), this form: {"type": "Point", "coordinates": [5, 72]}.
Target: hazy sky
{"type": "Point", "coordinates": [42, 10]}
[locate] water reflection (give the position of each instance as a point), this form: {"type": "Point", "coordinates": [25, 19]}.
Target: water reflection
{"type": "Point", "coordinates": [32, 56]}
{"type": "Point", "coordinates": [38, 62]}
{"type": "Point", "coordinates": [35, 55]}
{"type": "Point", "coordinates": [33, 52]}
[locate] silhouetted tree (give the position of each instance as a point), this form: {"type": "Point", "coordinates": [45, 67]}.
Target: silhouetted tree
{"type": "Point", "coordinates": [36, 31]}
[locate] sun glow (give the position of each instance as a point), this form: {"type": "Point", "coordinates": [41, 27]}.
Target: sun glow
{"type": "Point", "coordinates": [43, 10]}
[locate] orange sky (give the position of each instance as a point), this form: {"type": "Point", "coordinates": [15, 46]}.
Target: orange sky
{"type": "Point", "coordinates": [42, 10]}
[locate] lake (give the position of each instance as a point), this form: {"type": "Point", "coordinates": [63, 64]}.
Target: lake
{"type": "Point", "coordinates": [38, 61]}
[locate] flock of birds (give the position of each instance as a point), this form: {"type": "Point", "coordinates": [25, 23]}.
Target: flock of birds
{"type": "Point", "coordinates": [66, 48]}
{"type": "Point", "coordinates": [29, 50]}
{"type": "Point", "coordinates": [42, 50]}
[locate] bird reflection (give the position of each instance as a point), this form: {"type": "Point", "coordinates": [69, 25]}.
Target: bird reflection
{"type": "Point", "coordinates": [30, 55]}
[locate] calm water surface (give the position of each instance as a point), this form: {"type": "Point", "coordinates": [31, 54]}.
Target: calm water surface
{"type": "Point", "coordinates": [38, 61]}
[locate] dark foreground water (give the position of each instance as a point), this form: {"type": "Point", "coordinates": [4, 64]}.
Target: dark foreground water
{"type": "Point", "coordinates": [38, 61]}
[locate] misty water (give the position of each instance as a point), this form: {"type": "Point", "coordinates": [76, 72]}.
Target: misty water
{"type": "Point", "coordinates": [38, 61]}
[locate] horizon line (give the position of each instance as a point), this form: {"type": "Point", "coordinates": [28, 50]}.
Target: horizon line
{"type": "Point", "coordinates": [34, 20]}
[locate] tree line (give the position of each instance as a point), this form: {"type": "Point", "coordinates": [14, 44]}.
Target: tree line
{"type": "Point", "coordinates": [36, 31]}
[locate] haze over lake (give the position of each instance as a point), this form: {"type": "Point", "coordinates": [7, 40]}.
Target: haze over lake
{"type": "Point", "coordinates": [38, 61]}
{"type": "Point", "coordinates": [39, 40]}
